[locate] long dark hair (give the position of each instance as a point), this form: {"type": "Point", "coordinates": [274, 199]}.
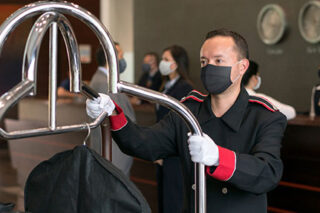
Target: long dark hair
{"type": "Point", "coordinates": [180, 56]}
{"type": "Point", "coordinates": [251, 71]}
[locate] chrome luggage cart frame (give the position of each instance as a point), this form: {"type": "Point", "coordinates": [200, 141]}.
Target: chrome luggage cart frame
{"type": "Point", "coordinates": [52, 18]}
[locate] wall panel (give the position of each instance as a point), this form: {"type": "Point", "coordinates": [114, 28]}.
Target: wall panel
{"type": "Point", "coordinates": [288, 76]}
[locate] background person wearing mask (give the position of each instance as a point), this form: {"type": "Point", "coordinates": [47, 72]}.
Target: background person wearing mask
{"type": "Point", "coordinates": [151, 77]}
{"type": "Point", "coordinates": [242, 134]}
{"type": "Point", "coordinates": [64, 87]}
{"type": "Point", "coordinates": [315, 99]}
{"type": "Point", "coordinates": [64, 90]}
{"type": "Point", "coordinates": [174, 67]}
{"type": "Point", "coordinates": [99, 83]}
{"type": "Point", "coordinates": [252, 81]}
{"type": "Point", "coordinates": [122, 61]}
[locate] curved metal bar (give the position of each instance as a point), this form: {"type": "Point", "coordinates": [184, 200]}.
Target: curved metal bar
{"type": "Point", "coordinates": [165, 100]}
{"type": "Point", "coordinates": [76, 11]}
{"type": "Point", "coordinates": [14, 95]}
{"type": "Point", "coordinates": [31, 52]}
{"type": "Point", "coordinates": [105, 39]}
{"type": "Point", "coordinates": [68, 8]}
{"type": "Point", "coordinates": [48, 131]}
{"type": "Point", "coordinates": [188, 117]}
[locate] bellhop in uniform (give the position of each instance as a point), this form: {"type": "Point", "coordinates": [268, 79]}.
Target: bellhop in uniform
{"type": "Point", "coordinates": [241, 142]}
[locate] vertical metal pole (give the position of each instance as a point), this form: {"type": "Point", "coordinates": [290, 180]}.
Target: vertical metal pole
{"type": "Point", "coordinates": [200, 188]}
{"type": "Point", "coordinates": [106, 144]}
{"type": "Point", "coordinates": [53, 54]}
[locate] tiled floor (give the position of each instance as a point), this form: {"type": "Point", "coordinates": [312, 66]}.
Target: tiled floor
{"type": "Point", "coordinates": [9, 189]}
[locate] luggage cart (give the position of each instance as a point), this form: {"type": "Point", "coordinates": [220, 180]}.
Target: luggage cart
{"type": "Point", "coordinates": [52, 18]}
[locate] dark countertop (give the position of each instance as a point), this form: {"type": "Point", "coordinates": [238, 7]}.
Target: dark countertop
{"type": "Point", "coordinates": [305, 120]}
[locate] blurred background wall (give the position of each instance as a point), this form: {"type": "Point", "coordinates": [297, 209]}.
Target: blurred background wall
{"type": "Point", "coordinates": [288, 69]}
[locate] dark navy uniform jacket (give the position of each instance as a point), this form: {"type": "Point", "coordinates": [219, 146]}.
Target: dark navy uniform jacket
{"type": "Point", "coordinates": [178, 90]}
{"type": "Point", "coordinates": [155, 80]}
{"type": "Point", "coordinates": [249, 139]}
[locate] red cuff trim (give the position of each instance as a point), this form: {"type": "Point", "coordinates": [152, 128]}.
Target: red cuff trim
{"type": "Point", "coordinates": [118, 121]}
{"type": "Point", "coordinates": [227, 165]}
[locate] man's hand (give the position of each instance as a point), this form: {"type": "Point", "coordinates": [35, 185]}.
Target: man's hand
{"type": "Point", "coordinates": [203, 150]}
{"type": "Point", "coordinates": [98, 105]}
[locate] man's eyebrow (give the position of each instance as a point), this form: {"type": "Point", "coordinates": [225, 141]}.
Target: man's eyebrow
{"type": "Point", "coordinates": [218, 56]}
{"type": "Point", "coordinates": [215, 56]}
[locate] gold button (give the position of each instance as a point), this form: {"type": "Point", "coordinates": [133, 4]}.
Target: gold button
{"type": "Point", "coordinates": [224, 190]}
{"type": "Point", "coordinates": [193, 186]}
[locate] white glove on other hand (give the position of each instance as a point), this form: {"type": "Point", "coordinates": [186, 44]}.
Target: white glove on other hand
{"type": "Point", "coordinates": [98, 105]}
{"type": "Point", "coordinates": [203, 150]}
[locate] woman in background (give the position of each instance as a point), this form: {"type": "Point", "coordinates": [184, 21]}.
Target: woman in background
{"type": "Point", "coordinates": [252, 81]}
{"type": "Point", "coordinates": [174, 69]}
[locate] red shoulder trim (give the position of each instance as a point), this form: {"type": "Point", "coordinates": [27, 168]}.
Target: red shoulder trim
{"type": "Point", "coordinates": [195, 95]}
{"type": "Point", "coordinates": [199, 93]}
{"type": "Point", "coordinates": [266, 106]}
{"type": "Point", "coordinates": [264, 102]}
{"type": "Point", "coordinates": [191, 97]}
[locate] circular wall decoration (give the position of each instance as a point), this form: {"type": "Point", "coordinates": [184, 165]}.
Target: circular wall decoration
{"type": "Point", "coordinates": [271, 24]}
{"type": "Point", "coordinates": [309, 21]}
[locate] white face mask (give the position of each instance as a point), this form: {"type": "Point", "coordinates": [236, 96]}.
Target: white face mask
{"type": "Point", "coordinates": [164, 67]}
{"type": "Point", "coordinates": [258, 84]}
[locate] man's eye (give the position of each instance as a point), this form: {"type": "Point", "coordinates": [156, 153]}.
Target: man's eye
{"type": "Point", "coordinates": [203, 63]}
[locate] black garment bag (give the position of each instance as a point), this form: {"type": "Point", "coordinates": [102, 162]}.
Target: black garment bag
{"type": "Point", "coordinates": [81, 181]}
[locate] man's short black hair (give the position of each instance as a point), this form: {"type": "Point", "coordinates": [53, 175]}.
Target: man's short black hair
{"type": "Point", "coordinates": [251, 71]}
{"type": "Point", "coordinates": [100, 57]}
{"type": "Point", "coordinates": [154, 54]}
{"type": "Point", "coordinates": [241, 43]}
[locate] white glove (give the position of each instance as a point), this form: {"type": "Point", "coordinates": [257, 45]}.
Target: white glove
{"type": "Point", "coordinates": [203, 150]}
{"type": "Point", "coordinates": [98, 105]}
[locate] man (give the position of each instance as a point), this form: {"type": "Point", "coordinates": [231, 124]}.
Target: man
{"type": "Point", "coordinates": [252, 81]}
{"type": "Point", "coordinates": [315, 99]}
{"type": "Point", "coordinates": [242, 149]}
{"type": "Point", "coordinates": [151, 77]}
{"type": "Point", "coordinates": [99, 83]}
{"type": "Point", "coordinates": [122, 61]}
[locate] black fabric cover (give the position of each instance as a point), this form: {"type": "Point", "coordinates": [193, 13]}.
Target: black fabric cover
{"type": "Point", "coordinates": [80, 180]}
{"type": "Point", "coordinates": [6, 207]}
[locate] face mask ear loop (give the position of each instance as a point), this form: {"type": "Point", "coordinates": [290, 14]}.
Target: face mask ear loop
{"type": "Point", "coordinates": [236, 78]}
{"type": "Point", "coordinates": [239, 74]}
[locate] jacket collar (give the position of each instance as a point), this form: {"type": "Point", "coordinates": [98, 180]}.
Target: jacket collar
{"type": "Point", "coordinates": [233, 117]}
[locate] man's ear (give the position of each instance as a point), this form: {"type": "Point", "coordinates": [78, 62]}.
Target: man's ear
{"type": "Point", "coordinates": [244, 66]}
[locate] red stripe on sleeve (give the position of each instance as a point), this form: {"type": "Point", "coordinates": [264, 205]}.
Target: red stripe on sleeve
{"type": "Point", "coordinates": [227, 165]}
{"type": "Point", "coordinates": [118, 121]}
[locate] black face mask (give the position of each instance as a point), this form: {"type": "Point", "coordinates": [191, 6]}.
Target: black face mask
{"type": "Point", "coordinates": [146, 68]}
{"type": "Point", "coordinates": [216, 79]}
{"type": "Point", "coordinates": [122, 65]}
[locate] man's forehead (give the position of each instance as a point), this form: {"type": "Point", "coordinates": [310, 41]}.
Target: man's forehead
{"type": "Point", "coordinates": [149, 57]}
{"type": "Point", "coordinates": [217, 45]}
